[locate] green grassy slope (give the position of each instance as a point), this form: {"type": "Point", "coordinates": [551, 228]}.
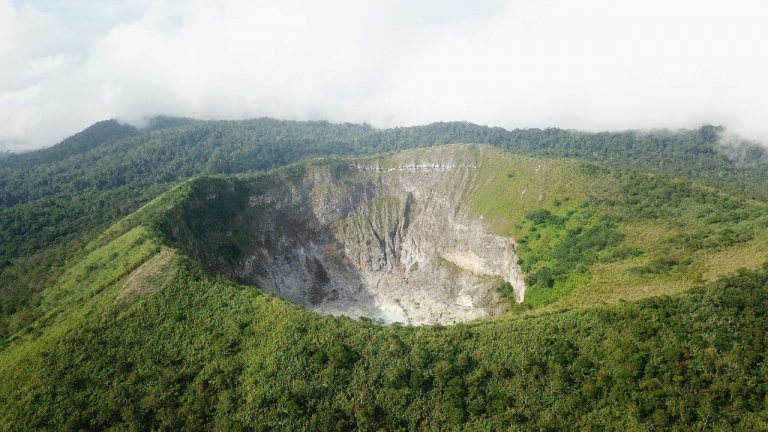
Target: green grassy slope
{"type": "Point", "coordinates": [590, 234]}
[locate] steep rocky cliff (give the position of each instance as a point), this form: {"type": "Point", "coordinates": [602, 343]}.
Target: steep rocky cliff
{"type": "Point", "coordinates": [390, 238]}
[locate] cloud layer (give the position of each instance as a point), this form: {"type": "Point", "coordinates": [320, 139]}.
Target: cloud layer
{"type": "Point", "coordinates": [592, 65]}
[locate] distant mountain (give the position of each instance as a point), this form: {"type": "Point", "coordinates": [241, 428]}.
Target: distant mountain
{"type": "Point", "coordinates": [5, 149]}
{"type": "Point", "coordinates": [109, 169]}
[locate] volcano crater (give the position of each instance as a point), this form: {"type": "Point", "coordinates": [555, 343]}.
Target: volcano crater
{"type": "Point", "coordinates": [391, 239]}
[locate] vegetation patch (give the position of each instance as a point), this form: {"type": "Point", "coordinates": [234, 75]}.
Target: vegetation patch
{"type": "Point", "coordinates": [557, 251]}
{"type": "Point", "coordinates": [148, 277]}
{"type": "Point", "coordinates": [651, 234]}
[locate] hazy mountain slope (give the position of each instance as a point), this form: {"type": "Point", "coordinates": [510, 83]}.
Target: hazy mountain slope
{"type": "Point", "coordinates": [108, 170]}
{"type": "Point", "coordinates": [54, 195]}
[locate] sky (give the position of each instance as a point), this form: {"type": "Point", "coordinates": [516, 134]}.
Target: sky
{"type": "Point", "coordinates": [592, 65]}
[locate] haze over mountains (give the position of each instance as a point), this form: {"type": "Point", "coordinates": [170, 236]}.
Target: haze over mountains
{"type": "Point", "coordinates": [594, 65]}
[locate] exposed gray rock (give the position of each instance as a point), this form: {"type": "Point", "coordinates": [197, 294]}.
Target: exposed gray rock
{"type": "Point", "coordinates": [390, 238]}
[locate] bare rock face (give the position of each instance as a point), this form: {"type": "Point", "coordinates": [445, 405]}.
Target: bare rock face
{"type": "Point", "coordinates": [390, 238]}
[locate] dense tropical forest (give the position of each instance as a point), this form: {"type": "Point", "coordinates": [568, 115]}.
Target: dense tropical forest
{"type": "Point", "coordinates": [105, 324]}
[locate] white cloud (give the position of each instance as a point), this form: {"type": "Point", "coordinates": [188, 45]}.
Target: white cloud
{"type": "Point", "coordinates": [599, 65]}
{"type": "Point", "coordinates": [593, 65]}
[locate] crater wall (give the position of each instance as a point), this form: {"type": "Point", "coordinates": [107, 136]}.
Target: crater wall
{"type": "Point", "coordinates": [390, 238]}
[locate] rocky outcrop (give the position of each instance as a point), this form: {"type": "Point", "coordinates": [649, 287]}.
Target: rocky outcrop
{"type": "Point", "coordinates": [390, 238]}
